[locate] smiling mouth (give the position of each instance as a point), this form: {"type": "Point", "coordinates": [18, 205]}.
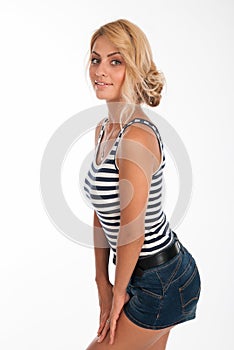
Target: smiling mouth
{"type": "Point", "coordinates": [101, 83]}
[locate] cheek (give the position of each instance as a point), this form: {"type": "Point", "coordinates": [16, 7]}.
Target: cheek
{"type": "Point", "coordinates": [121, 77]}
{"type": "Point", "coordinates": [90, 72]}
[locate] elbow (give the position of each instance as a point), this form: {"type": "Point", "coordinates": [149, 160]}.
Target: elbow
{"type": "Point", "coordinates": [136, 242]}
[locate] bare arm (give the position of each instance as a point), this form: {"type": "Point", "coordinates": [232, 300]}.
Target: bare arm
{"type": "Point", "coordinates": [101, 246]}
{"type": "Point", "coordinates": [101, 253]}
{"type": "Point", "coordinates": [135, 163]}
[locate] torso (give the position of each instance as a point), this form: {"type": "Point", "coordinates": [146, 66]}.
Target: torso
{"type": "Point", "coordinates": [101, 186]}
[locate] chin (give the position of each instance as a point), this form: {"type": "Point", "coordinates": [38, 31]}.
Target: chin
{"type": "Point", "coordinates": [107, 98]}
{"type": "Point", "coordinates": [101, 97]}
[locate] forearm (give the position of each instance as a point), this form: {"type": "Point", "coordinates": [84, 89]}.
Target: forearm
{"type": "Point", "coordinates": [101, 251]}
{"type": "Point", "coordinates": [127, 256]}
{"type": "Point", "coordinates": [101, 265]}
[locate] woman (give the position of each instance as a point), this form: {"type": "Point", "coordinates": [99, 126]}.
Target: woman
{"type": "Point", "coordinates": [157, 283]}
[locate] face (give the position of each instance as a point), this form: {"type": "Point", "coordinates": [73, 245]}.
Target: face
{"type": "Point", "coordinates": [107, 70]}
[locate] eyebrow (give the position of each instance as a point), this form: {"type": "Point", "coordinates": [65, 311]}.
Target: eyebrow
{"type": "Point", "coordinates": [110, 54]}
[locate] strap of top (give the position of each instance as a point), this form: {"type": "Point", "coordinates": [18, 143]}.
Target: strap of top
{"type": "Point", "coordinates": [102, 129]}
{"type": "Point", "coordinates": [145, 122]}
{"type": "Point", "coordinates": [135, 120]}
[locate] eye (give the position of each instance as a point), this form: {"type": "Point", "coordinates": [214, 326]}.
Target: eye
{"type": "Point", "coordinates": [116, 62]}
{"type": "Point", "coordinates": [95, 60]}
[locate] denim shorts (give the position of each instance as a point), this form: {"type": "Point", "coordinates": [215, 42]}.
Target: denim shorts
{"type": "Point", "coordinates": [165, 295]}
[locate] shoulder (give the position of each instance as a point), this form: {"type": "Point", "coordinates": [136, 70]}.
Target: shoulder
{"type": "Point", "coordinates": [142, 135]}
{"type": "Point", "coordinates": [140, 128]}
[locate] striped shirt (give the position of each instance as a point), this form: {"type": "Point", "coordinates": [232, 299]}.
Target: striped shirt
{"type": "Point", "coordinates": [102, 190]}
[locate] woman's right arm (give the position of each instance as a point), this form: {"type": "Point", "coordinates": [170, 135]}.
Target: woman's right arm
{"type": "Point", "coordinates": [102, 253]}
{"type": "Point", "coordinates": [101, 246]}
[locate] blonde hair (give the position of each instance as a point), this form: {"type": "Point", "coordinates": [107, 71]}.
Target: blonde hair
{"type": "Point", "coordinates": [143, 81]}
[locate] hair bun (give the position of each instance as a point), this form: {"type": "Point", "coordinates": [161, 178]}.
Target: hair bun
{"type": "Point", "coordinates": [151, 86]}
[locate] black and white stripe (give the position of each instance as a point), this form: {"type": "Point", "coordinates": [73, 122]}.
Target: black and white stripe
{"type": "Point", "coordinates": [102, 189]}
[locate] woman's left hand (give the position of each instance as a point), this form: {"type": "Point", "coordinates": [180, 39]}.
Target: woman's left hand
{"type": "Point", "coordinates": [118, 302]}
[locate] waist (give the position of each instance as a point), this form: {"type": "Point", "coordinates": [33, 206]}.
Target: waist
{"type": "Point", "coordinates": [156, 259]}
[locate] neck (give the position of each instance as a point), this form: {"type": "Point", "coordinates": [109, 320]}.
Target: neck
{"type": "Point", "coordinates": [118, 109]}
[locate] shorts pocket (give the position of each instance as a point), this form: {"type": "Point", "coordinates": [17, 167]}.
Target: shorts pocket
{"type": "Point", "coordinates": [190, 292]}
{"type": "Point", "coordinates": [150, 293]}
{"type": "Point", "coordinates": [146, 305]}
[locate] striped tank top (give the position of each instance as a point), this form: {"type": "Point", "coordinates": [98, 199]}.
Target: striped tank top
{"type": "Point", "coordinates": [101, 186]}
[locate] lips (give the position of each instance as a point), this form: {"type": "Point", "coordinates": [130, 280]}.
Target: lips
{"type": "Point", "coordinates": [101, 83]}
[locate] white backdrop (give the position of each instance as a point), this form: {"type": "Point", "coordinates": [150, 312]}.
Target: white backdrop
{"type": "Point", "coordinates": [48, 297]}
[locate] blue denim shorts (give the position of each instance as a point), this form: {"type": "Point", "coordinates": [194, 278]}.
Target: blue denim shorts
{"type": "Point", "coordinates": [165, 295]}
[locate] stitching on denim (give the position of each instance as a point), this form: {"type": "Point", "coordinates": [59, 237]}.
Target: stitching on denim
{"type": "Point", "coordinates": [173, 273]}
{"type": "Point", "coordinates": [191, 278]}
{"type": "Point", "coordinates": [160, 303]}
{"type": "Point", "coordinates": [160, 281]}
{"type": "Point", "coordinates": [194, 298]}
{"type": "Point", "coordinates": [183, 304]}
{"type": "Point", "coordinates": [160, 307]}
{"type": "Point", "coordinates": [185, 270]}
{"type": "Point", "coordinates": [137, 321]}
{"type": "Point", "coordinates": [166, 286]}
{"type": "Point", "coordinates": [159, 268]}
{"type": "Point", "coordinates": [148, 292]}
{"type": "Point", "coordinates": [180, 320]}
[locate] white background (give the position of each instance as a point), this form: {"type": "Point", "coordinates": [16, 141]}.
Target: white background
{"type": "Point", "coordinates": [48, 297]}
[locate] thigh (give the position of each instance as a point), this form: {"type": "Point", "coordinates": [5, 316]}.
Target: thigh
{"type": "Point", "coordinates": [129, 336]}
{"type": "Point", "coordinates": [161, 343]}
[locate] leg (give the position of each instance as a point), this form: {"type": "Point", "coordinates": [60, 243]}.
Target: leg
{"type": "Point", "coordinates": [129, 336]}
{"type": "Point", "coordinates": [161, 343]}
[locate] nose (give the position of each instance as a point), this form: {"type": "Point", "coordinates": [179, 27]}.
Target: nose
{"type": "Point", "coordinates": [101, 71]}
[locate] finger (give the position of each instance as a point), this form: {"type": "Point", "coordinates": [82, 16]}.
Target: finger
{"type": "Point", "coordinates": [104, 332]}
{"type": "Point", "coordinates": [102, 324]}
{"type": "Point", "coordinates": [102, 336]}
{"type": "Point", "coordinates": [101, 330]}
{"type": "Point", "coordinates": [112, 331]}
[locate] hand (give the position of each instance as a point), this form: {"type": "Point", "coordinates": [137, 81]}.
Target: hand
{"type": "Point", "coordinates": [117, 305]}
{"type": "Point", "coordinates": [105, 295]}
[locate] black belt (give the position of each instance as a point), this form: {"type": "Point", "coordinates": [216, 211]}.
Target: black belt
{"type": "Point", "coordinates": [156, 259]}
